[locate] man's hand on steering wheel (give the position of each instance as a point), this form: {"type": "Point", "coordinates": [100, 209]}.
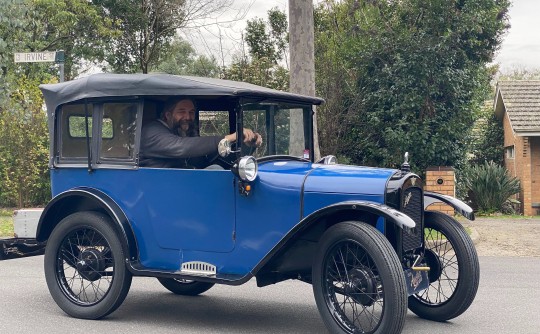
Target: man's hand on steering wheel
{"type": "Point", "coordinates": [251, 138]}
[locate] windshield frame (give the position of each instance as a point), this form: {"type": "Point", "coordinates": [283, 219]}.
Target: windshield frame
{"type": "Point", "coordinates": [271, 106]}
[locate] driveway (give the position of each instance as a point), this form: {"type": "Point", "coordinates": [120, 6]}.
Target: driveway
{"type": "Point", "coordinates": [505, 236]}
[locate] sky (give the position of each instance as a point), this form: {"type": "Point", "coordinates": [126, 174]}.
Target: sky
{"type": "Point", "coordinates": [520, 49]}
{"type": "Point", "coordinates": [521, 46]}
{"type": "Point", "coordinates": [224, 40]}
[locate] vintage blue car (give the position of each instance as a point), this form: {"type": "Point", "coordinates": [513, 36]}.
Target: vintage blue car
{"type": "Point", "coordinates": [359, 235]}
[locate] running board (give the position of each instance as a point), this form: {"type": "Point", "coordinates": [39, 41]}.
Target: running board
{"type": "Point", "coordinates": [137, 269]}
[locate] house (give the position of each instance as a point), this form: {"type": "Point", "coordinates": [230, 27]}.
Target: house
{"type": "Point", "coordinates": [517, 104]}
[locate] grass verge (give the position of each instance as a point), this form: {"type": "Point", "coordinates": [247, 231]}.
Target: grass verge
{"type": "Point", "coordinates": [6, 223]}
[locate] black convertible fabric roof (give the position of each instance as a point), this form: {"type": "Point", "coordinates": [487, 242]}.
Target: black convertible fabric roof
{"type": "Point", "coordinates": [106, 84]}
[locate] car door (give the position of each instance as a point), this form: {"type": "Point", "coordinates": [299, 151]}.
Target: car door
{"type": "Point", "coordinates": [194, 209]}
{"type": "Point", "coordinates": [191, 209]}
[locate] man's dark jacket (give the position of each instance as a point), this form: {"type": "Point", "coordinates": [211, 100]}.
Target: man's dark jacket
{"type": "Point", "coordinates": [162, 148]}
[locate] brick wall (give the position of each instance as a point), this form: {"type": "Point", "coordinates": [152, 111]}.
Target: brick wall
{"type": "Point", "coordinates": [441, 180]}
{"type": "Point", "coordinates": [526, 177]}
{"type": "Point", "coordinates": [535, 174]}
{"type": "Point", "coordinates": [522, 166]}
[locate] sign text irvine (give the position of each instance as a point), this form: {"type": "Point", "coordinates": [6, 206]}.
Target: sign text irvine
{"type": "Point", "coordinates": [33, 57]}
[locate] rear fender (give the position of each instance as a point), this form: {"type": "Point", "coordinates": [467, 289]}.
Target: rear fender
{"type": "Point", "coordinates": [87, 199]}
{"type": "Point", "coordinates": [293, 254]}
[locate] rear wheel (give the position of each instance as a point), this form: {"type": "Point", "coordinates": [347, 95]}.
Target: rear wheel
{"type": "Point", "coordinates": [358, 281]}
{"type": "Point", "coordinates": [185, 287]}
{"type": "Point", "coordinates": [455, 271]}
{"type": "Point", "coordinates": [84, 266]}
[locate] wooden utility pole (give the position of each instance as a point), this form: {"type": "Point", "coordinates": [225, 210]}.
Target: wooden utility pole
{"type": "Point", "coordinates": [302, 72]}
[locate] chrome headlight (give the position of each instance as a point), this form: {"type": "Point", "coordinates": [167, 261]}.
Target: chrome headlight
{"type": "Point", "coordinates": [246, 168]}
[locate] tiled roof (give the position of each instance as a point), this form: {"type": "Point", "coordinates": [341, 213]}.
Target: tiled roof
{"type": "Point", "coordinates": [521, 100]}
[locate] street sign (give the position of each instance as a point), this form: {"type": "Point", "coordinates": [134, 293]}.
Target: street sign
{"type": "Point", "coordinates": [35, 57]}
{"type": "Point", "coordinates": [43, 57]}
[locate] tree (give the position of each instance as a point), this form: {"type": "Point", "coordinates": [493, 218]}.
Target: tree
{"type": "Point", "coordinates": [9, 25]}
{"type": "Point", "coordinates": [268, 39]}
{"type": "Point", "coordinates": [148, 27]}
{"type": "Point", "coordinates": [24, 179]}
{"type": "Point", "coordinates": [37, 25]}
{"type": "Point", "coordinates": [70, 25]}
{"type": "Point", "coordinates": [335, 79]}
{"type": "Point", "coordinates": [409, 75]}
{"type": "Point", "coordinates": [487, 138]}
{"type": "Point", "coordinates": [267, 44]}
{"type": "Point", "coordinates": [180, 58]}
{"type": "Point", "coordinates": [518, 73]}
{"type": "Point", "coordinates": [258, 72]}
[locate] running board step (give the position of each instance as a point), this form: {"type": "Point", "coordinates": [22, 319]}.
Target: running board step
{"type": "Point", "coordinates": [198, 268]}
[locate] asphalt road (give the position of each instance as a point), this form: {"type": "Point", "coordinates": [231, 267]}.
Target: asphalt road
{"type": "Point", "coordinates": [508, 301]}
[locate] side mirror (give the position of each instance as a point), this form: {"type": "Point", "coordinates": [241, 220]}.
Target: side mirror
{"type": "Point", "coordinates": [327, 160]}
{"type": "Point", "coordinates": [224, 148]}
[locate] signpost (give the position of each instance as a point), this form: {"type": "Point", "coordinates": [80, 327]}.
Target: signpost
{"type": "Point", "coordinates": [42, 57]}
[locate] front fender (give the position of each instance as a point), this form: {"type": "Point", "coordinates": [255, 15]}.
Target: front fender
{"type": "Point", "coordinates": [393, 215]}
{"type": "Point", "coordinates": [86, 199]}
{"type": "Point", "coordinates": [465, 210]}
{"type": "Point", "coordinates": [303, 227]}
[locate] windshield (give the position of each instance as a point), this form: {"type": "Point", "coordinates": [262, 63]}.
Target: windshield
{"type": "Point", "coordinates": [285, 129]}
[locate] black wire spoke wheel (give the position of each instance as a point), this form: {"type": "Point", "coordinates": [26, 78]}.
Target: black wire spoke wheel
{"type": "Point", "coordinates": [444, 275]}
{"type": "Point", "coordinates": [358, 281]}
{"type": "Point", "coordinates": [84, 266]}
{"type": "Point", "coordinates": [454, 270]}
{"type": "Point", "coordinates": [185, 287]}
{"type": "Point", "coordinates": [354, 286]}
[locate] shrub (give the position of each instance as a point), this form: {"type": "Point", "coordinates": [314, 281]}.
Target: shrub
{"type": "Point", "coordinates": [489, 186]}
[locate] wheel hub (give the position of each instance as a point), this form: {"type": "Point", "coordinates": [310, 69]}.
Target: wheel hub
{"type": "Point", "coordinates": [361, 286]}
{"type": "Point", "coordinates": [91, 264]}
{"type": "Point", "coordinates": [434, 264]}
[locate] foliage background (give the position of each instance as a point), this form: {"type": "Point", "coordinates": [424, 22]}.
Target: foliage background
{"type": "Point", "coordinates": [408, 75]}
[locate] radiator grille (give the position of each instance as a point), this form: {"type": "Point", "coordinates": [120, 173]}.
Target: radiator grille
{"type": "Point", "coordinates": [412, 206]}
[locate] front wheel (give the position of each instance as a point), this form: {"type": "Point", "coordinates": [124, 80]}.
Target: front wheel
{"type": "Point", "coordinates": [185, 287]}
{"type": "Point", "coordinates": [84, 266]}
{"type": "Point", "coordinates": [454, 270]}
{"type": "Point", "coordinates": [358, 281]}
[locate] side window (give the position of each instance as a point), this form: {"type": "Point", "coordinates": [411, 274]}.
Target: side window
{"type": "Point", "coordinates": [73, 131]}
{"type": "Point", "coordinates": [116, 124]}
{"type": "Point", "coordinates": [118, 129]}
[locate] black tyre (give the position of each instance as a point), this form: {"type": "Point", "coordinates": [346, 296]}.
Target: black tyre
{"type": "Point", "coordinates": [455, 271]}
{"type": "Point", "coordinates": [358, 281]}
{"type": "Point", "coordinates": [84, 266]}
{"type": "Point", "coordinates": [185, 287]}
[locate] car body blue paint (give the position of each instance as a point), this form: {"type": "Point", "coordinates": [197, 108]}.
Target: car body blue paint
{"type": "Point", "coordinates": [329, 184]}
{"type": "Point", "coordinates": [348, 179]}
{"type": "Point", "coordinates": [182, 215]}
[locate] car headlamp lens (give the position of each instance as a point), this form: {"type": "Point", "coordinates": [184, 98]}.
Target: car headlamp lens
{"type": "Point", "coordinates": [247, 168]}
